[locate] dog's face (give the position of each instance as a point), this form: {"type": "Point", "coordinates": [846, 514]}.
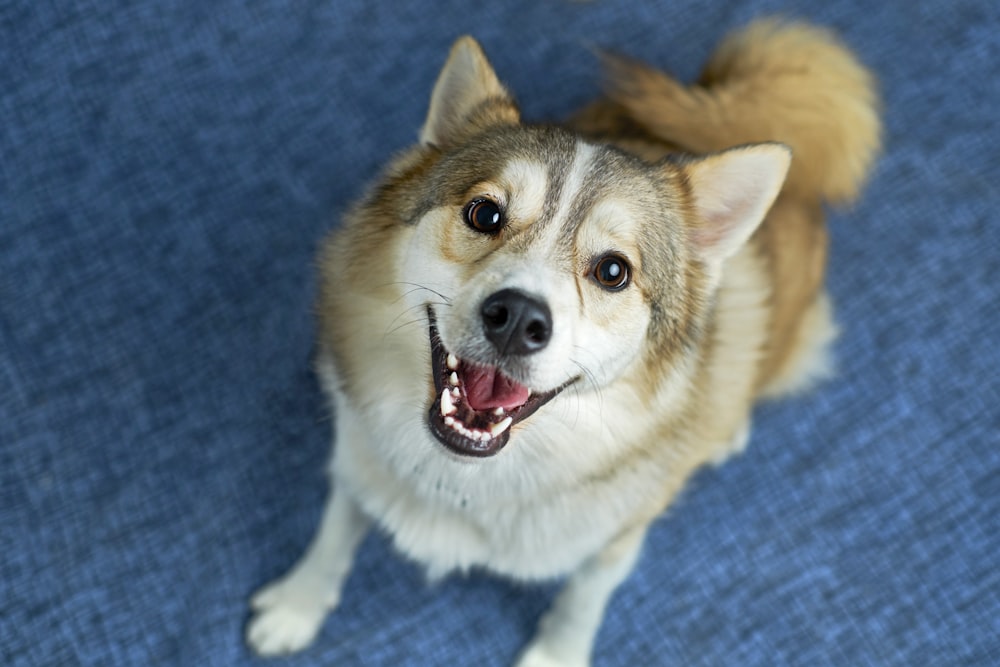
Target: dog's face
{"type": "Point", "coordinates": [545, 262]}
{"type": "Point", "coordinates": [536, 245]}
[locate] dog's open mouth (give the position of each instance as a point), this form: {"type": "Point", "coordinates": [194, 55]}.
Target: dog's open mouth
{"type": "Point", "coordinates": [476, 405]}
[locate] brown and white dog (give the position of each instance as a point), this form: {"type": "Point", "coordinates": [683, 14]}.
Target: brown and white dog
{"type": "Point", "coordinates": [533, 335]}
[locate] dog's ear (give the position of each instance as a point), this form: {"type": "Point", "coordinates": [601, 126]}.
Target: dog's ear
{"type": "Point", "coordinates": [467, 97]}
{"type": "Point", "coordinates": [731, 193]}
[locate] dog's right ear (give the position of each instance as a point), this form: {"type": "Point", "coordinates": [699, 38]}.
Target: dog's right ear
{"type": "Point", "coordinates": [467, 97]}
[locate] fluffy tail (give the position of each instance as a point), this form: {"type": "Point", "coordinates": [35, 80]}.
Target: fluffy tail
{"type": "Point", "coordinates": [772, 81]}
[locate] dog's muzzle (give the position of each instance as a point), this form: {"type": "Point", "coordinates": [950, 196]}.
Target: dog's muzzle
{"type": "Point", "coordinates": [477, 404]}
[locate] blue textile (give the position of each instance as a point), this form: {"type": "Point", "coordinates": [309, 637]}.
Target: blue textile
{"type": "Point", "coordinates": [166, 172]}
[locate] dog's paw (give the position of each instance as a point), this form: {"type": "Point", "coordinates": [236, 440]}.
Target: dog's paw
{"type": "Point", "coordinates": [538, 655]}
{"type": "Point", "coordinates": [289, 613]}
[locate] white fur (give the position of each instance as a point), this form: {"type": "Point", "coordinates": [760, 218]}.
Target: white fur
{"type": "Point", "coordinates": [529, 179]}
{"type": "Point", "coordinates": [521, 513]}
{"type": "Point", "coordinates": [812, 360]}
{"type": "Point", "coordinates": [582, 159]}
{"type": "Point", "coordinates": [741, 317]}
{"type": "Point", "coordinates": [553, 501]}
{"type": "Point", "coordinates": [289, 611]}
{"type": "Point", "coordinates": [576, 486]}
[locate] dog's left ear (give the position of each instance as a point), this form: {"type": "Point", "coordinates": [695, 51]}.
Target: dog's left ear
{"type": "Point", "coordinates": [731, 193]}
{"type": "Point", "coordinates": [467, 97]}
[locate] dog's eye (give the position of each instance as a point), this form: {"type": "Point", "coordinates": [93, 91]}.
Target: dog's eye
{"type": "Point", "coordinates": [611, 272]}
{"type": "Point", "coordinates": [484, 216]}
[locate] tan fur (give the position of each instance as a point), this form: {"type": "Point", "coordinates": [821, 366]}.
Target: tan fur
{"type": "Point", "coordinates": [452, 105]}
{"type": "Point", "coordinates": [656, 378]}
{"type": "Point", "coordinates": [772, 81]}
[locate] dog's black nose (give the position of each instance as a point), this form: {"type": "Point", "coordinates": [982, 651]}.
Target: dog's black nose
{"type": "Point", "coordinates": [516, 323]}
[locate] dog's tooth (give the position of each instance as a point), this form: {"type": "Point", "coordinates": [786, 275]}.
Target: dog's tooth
{"type": "Point", "coordinates": [498, 412]}
{"type": "Point", "coordinates": [452, 362]}
{"type": "Point", "coordinates": [450, 421]}
{"type": "Point", "coordinates": [447, 405]}
{"type": "Point", "coordinates": [453, 378]}
{"type": "Point", "coordinates": [455, 392]}
{"type": "Point", "coordinates": [500, 426]}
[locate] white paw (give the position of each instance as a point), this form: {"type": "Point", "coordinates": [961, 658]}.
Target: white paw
{"type": "Point", "coordinates": [538, 655]}
{"type": "Point", "coordinates": [289, 613]}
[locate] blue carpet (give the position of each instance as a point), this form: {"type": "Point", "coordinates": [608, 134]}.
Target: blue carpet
{"type": "Point", "coordinates": [166, 172]}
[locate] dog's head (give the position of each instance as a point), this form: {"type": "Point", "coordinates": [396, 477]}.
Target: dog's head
{"type": "Point", "coordinates": [544, 261]}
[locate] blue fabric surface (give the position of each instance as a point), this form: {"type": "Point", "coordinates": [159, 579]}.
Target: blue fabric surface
{"type": "Point", "coordinates": [166, 171]}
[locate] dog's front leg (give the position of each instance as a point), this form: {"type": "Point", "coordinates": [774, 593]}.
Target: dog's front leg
{"type": "Point", "coordinates": [289, 611]}
{"type": "Point", "coordinates": [565, 635]}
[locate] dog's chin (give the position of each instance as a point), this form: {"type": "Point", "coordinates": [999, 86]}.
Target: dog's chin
{"type": "Point", "coordinates": [463, 429]}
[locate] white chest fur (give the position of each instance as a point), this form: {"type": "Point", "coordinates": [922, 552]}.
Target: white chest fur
{"type": "Point", "coordinates": [535, 510]}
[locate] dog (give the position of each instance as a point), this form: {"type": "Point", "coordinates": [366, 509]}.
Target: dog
{"type": "Point", "coordinates": [532, 335]}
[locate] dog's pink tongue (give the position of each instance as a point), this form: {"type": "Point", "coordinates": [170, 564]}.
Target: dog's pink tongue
{"type": "Point", "coordinates": [485, 389]}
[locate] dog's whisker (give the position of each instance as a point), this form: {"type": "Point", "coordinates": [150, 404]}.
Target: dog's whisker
{"type": "Point", "coordinates": [422, 319]}
{"type": "Point", "coordinates": [590, 376]}
{"type": "Point", "coordinates": [389, 332]}
{"type": "Point", "coordinates": [444, 302]}
{"type": "Point", "coordinates": [408, 293]}
{"type": "Point", "coordinates": [417, 287]}
{"type": "Point", "coordinates": [590, 379]}
{"type": "Point", "coordinates": [390, 328]}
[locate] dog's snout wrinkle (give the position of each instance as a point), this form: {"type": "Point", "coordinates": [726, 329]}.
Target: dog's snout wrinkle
{"type": "Point", "coordinates": [515, 322]}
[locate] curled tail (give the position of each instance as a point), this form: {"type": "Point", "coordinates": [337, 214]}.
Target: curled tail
{"type": "Point", "coordinates": [771, 81]}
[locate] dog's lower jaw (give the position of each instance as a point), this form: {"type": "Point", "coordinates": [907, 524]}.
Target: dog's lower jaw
{"type": "Point", "coordinates": [450, 536]}
{"type": "Point", "coordinates": [481, 433]}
